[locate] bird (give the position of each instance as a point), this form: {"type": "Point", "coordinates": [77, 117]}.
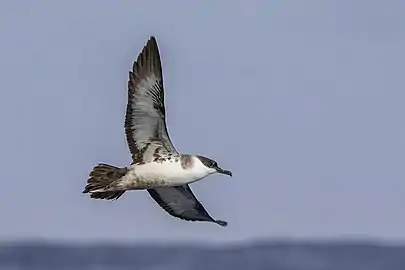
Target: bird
{"type": "Point", "coordinates": [156, 164]}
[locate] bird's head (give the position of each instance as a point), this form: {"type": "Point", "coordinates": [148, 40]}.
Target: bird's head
{"type": "Point", "coordinates": [212, 166]}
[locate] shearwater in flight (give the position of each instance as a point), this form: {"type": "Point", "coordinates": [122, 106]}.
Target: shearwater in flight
{"type": "Point", "coordinates": [157, 166]}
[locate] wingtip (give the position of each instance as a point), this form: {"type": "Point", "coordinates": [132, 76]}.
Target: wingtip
{"type": "Point", "coordinates": [152, 39]}
{"type": "Point", "coordinates": [221, 223]}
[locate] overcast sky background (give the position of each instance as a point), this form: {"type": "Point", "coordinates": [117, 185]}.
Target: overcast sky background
{"type": "Point", "coordinates": [302, 100]}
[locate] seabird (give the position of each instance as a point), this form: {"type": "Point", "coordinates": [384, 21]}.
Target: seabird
{"type": "Point", "coordinates": [156, 165]}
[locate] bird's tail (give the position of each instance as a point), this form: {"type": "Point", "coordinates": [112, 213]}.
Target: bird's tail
{"type": "Point", "coordinates": [102, 180]}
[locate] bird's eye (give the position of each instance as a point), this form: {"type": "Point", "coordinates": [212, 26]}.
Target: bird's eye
{"type": "Point", "coordinates": [213, 164]}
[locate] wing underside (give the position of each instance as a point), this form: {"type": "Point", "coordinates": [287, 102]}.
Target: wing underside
{"type": "Point", "coordinates": [145, 119]}
{"type": "Point", "coordinates": [180, 202]}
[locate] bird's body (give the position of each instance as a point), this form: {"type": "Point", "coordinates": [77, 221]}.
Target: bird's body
{"type": "Point", "coordinates": [157, 166]}
{"type": "Point", "coordinates": [169, 172]}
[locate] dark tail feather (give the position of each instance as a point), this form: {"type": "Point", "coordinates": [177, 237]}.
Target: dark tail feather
{"type": "Point", "coordinates": [107, 195]}
{"type": "Point", "coordinates": [101, 179]}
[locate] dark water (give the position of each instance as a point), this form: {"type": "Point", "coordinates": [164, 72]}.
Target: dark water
{"type": "Point", "coordinates": [277, 256]}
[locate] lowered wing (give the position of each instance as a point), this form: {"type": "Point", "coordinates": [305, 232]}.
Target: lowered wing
{"type": "Point", "coordinates": [180, 202]}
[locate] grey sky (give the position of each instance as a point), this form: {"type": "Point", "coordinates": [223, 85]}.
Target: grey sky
{"type": "Point", "coordinates": [304, 101]}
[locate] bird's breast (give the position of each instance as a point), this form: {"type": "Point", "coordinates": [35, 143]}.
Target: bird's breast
{"type": "Point", "coordinates": [165, 173]}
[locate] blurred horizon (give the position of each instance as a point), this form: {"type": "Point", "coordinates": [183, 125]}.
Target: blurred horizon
{"type": "Point", "coordinates": [200, 243]}
{"type": "Point", "coordinates": [265, 255]}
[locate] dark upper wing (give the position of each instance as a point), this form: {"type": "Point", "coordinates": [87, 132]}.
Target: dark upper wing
{"type": "Point", "coordinates": [180, 202]}
{"type": "Point", "coordinates": [145, 123]}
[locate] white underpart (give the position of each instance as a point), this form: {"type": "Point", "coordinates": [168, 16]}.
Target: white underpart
{"type": "Point", "coordinates": [169, 172]}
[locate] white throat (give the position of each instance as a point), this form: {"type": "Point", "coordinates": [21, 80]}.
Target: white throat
{"type": "Point", "coordinates": [199, 170]}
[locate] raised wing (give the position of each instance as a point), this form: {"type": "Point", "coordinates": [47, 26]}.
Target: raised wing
{"type": "Point", "coordinates": [180, 202]}
{"type": "Point", "coordinates": [145, 122]}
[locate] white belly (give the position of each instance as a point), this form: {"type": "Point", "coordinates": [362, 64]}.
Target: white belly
{"type": "Point", "coordinates": [160, 174]}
